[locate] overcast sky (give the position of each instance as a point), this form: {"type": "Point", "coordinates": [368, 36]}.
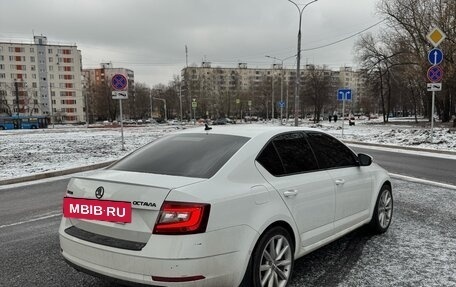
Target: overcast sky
{"type": "Point", "coordinates": [149, 36]}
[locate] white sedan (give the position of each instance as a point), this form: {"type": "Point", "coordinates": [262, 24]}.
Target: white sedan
{"type": "Point", "coordinates": [227, 206]}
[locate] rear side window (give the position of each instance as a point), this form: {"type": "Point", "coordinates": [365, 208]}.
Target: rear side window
{"type": "Point", "coordinates": [190, 155]}
{"type": "Point", "coordinates": [288, 154]}
{"type": "Point", "coordinates": [330, 152]}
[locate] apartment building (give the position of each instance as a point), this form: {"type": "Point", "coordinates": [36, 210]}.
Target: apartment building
{"type": "Point", "coordinates": [41, 78]}
{"type": "Point", "coordinates": [206, 82]}
{"type": "Point", "coordinates": [97, 87]}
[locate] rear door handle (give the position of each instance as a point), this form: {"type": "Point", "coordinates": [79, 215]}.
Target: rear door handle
{"type": "Point", "coordinates": [339, 181]}
{"type": "Point", "coordinates": [290, 193]}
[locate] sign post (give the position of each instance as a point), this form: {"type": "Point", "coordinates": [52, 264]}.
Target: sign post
{"type": "Point", "coordinates": [194, 106]}
{"type": "Point", "coordinates": [344, 95]}
{"type": "Point", "coordinates": [435, 72]}
{"type": "Point", "coordinates": [119, 84]}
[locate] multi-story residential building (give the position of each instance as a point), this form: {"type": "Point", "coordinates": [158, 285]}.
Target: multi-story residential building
{"type": "Point", "coordinates": [212, 86]}
{"type": "Point", "coordinates": [40, 78]}
{"type": "Point", "coordinates": [97, 87]}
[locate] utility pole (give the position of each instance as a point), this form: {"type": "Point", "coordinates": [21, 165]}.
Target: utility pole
{"type": "Point", "coordinates": [16, 88]}
{"type": "Point", "coordinates": [187, 82]}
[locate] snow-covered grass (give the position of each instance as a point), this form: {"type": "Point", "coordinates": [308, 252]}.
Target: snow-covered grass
{"type": "Point", "coordinates": [27, 152]}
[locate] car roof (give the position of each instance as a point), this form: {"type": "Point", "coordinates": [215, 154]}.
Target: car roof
{"type": "Point", "coordinates": [250, 130]}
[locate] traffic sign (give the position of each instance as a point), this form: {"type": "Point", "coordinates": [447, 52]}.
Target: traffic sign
{"type": "Point", "coordinates": [119, 82]}
{"type": "Point", "coordinates": [344, 94]}
{"type": "Point", "coordinates": [249, 103]}
{"type": "Point", "coordinates": [118, 95]}
{"type": "Point", "coordinates": [282, 104]}
{"type": "Point", "coordinates": [435, 74]}
{"type": "Point", "coordinates": [434, 87]}
{"type": "Point", "coordinates": [436, 36]}
{"type": "Point", "coordinates": [194, 105]}
{"type": "Point", "coordinates": [435, 56]}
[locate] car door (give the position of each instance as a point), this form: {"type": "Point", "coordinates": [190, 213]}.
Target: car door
{"type": "Point", "coordinates": [353, 182]}
{"type": "Point", "coordinates": [289, 165]}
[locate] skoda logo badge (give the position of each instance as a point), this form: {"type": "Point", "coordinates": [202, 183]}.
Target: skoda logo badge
{"type": "Point", "coordinates": [99, 192]}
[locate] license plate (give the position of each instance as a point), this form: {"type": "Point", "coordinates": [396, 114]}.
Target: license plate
{"type": "Point", "coordinates": [93, 209]}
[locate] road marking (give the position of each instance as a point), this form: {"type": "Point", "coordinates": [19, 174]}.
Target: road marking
{"type": "Point", "coordinates": [424, 181]}
{"type": "Point", "coordinates": [31, 220]}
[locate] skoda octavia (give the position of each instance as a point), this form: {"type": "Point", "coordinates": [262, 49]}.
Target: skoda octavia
{"type": "Point", "coordinates": [227, 206]}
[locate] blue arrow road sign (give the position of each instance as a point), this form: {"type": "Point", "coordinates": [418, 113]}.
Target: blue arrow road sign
{"type": "Point", "coordinates": [435, 56]}
{"type": "Point", "coordinates": [344, 94]}
{"type": "Point", "coordinates": [281, 104]}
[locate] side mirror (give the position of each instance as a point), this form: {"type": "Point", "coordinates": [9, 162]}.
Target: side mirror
{"type": "Point", "coordinates": [364, 159]}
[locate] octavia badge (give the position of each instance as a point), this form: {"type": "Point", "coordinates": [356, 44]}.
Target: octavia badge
{"type": "Point", "coordinates": [99, 192]}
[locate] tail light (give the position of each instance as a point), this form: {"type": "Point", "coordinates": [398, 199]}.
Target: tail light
{"type": "Point", "coordinates": [177, 218]}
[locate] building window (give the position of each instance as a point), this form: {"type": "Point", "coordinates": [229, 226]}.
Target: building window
{"type": "Point", "coordinates": [32, 50]}
{"type": "Point", "coordinates": [51, 68]}
{"type": "Point", "coordinates": [2, 75]}
{"type": "Point", "coordinates": [51, 59]}
{"type": "Point", "coordinates": [34, 85]}
{"type": "Point", "coordinates": [49, 51]}
{"type": "Point", "coordinates": [32, 59]}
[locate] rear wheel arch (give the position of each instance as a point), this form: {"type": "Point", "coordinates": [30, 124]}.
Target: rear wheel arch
{"type": "Point", "coordinates": [284, 225]}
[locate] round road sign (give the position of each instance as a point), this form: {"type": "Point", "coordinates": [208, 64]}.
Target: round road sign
{"type": "Point", "coordinates": [119, 82]}
{"type": "Point", "coordinates": [435, 74]}
{"type": "Point", "coordinates": [435, 56]}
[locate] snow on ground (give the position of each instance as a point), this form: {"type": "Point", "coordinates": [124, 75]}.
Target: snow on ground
{"type": "Point", "coordinates": [417, 250]}
{"type": "Point", "coordinates": [27, 152]}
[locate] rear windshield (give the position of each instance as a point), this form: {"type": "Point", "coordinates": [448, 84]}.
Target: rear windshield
{"type": "Point", "coordinates": [190, 155]}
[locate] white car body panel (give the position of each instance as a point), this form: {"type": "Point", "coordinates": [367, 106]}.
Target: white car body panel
{"type": "Point", "coordinates": [245, 201]}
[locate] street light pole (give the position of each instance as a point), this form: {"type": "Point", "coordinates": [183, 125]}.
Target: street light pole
{"type": "Point", "coordinates": [151, 111]}
{"type": "Point", "coordinates": [298, 76]}
{"type": "Point", "coordinates": [281, 84]}
{"type": "Point", "coordinates": [180, 101]}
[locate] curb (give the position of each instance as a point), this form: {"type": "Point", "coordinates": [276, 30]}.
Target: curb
{"type": "Point", "coordinates": [55, 173]}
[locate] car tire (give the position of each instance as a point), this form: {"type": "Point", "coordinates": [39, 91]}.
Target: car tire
{"type": "Point", "coordinates": [383, 211]}
{"type": "Point", "coordinates": [272, 260]}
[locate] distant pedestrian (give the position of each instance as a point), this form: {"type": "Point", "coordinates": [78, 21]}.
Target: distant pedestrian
{"type": "Point", "coordinates": [330, 118]}
{"type": "Point", "coordinates": [335, 118]}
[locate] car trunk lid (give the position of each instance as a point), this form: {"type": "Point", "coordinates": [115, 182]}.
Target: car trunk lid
{"type": "Point", "coordinates": [145, 192]}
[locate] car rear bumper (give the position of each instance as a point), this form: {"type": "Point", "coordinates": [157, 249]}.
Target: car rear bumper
{"type": "Point", "coordinates": [224, 268]}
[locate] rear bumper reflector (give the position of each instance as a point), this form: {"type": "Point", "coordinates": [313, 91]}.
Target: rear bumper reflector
{"type": "Point", "coordinates": [178, 279]}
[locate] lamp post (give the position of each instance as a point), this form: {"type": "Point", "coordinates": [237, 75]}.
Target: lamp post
{"type": "Point", "coordinates": [298, 76]}
{"type": "Point", "coordinates": [151, 110]}
{"type": "Point", "coordinates": [281, 83]}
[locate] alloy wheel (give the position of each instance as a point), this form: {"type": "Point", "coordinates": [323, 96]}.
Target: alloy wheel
{"type": "Point", "coordinates": [276, 262]}
{"type": "Point", "coordinates": [385, 209]}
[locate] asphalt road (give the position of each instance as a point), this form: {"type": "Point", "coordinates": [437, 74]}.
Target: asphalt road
{"type": "Point", "coordinates": [418, 249]}
{"type": "Point", "coordinates": [436, 169]}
